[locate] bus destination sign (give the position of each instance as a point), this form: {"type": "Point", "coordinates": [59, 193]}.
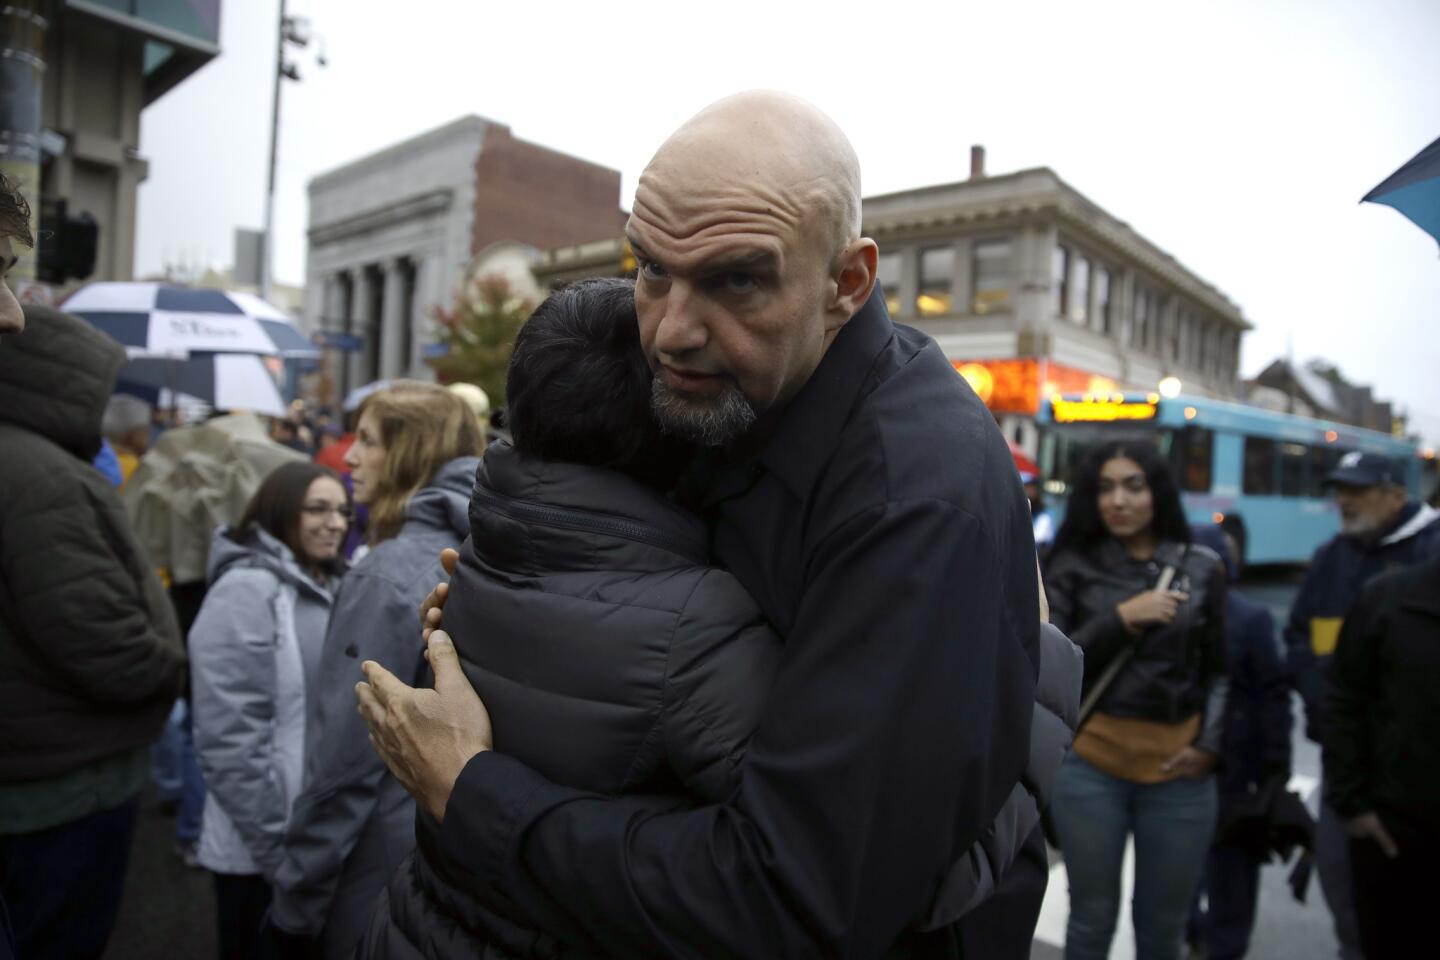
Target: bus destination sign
{"type": "Point", "coordinates": [1101, 410]}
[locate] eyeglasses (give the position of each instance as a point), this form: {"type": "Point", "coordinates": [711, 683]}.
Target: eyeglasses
{"type": "Point", "coordinates": [324, 510]}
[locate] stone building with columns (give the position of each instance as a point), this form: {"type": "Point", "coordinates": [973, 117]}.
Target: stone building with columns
{"type": "Point", "coordinates": [394, 234]}
{"type": "Point", "coordinates": [1029, 288]}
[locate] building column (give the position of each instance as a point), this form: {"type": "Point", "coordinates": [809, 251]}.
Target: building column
{"type": "Point", "coordinates": [360, 324]}
{"type": "Point", "coordinates": [392, 321]}
{"type": "Point", "coordinates": [421, 325]}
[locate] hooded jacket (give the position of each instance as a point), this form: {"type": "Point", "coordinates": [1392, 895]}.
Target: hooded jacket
{"type": "Point", "coordinates": [1178, 669]}
{"type": "Point", "coordinates": [253, 648]}
{"type": "Point", "coordinates": [353, 822]}
{"type": "Point", "coordinates": [1338, 571]}
{"type": "Point", "coordinates": [611, 657]}
{"type": "Point", "coordinates": [90, 655]}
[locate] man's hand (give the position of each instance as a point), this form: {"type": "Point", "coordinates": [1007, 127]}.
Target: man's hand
{"type": "Point", "coordinates": [1368, 825]}
{"type": "Point", "coordinates": [435, 601]}
{"type": "Point", "coordinates": [1190, 762]}
{"type": "Point", "coordinates": [425, 737]}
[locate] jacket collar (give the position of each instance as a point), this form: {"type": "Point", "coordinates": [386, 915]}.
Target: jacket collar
{"type": "Point", "coordinates": [1414, 518]}
{"type": "Point", "coordinates": [1427, 597]}
{"type": "Point", "coordinates": [810, 426]}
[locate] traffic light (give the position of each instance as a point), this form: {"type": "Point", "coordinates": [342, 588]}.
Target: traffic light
{"type": "Point", "coordinates": [66, 244]}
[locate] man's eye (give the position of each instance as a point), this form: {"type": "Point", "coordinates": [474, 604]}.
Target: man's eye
{"type": "Point", "coordinates": [653, 270]}
{"type": "Point", "coordinates": [739, 282]}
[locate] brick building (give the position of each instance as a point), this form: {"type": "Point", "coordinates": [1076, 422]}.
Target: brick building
{"type": "Point", "coordinates": [395, 233]}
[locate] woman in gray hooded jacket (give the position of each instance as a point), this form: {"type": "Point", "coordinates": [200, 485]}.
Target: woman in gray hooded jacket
{"type": "Point", "coordinates": [412, 464]}
{"type": "Point", "coordinates": [254, 645]}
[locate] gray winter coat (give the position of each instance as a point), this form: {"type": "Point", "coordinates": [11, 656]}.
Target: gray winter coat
{"type": "Point", "coordinates": [253, 648]}
{"type": "Point", "coordinates": [353, 823]}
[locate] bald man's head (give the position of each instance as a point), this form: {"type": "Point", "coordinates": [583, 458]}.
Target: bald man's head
{"type": "Point", "coordinates": [780, 147]}
{"type": "Point", "coordinates": [746, 228]}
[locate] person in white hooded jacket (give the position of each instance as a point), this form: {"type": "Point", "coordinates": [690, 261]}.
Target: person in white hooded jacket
{"type": "Point", "coordinates": [255, 646]}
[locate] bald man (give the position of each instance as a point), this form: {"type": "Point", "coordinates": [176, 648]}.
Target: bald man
{"type": "Point", "coordinates": [863, 495]}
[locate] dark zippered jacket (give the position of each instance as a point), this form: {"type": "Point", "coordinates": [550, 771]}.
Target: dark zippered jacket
{"type": "Point", "coordinates": [91, 658]}
{"type": "Point", "coordinates": [1179, 668]}
{"type": "Point", "coordinates": [917, 715]}
{"type": "Point", "coordinates": [1382, 749]}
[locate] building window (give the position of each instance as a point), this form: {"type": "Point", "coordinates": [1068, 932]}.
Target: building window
{"type": "Point", "coordinates": [1060, 278]}
{"type": "Point", "coordinates": [1080, 295]}
{"type": "Point", "coordinates": [887, 272]}
{"type": "Point", "coordinates": [1259, 470]}
{"type": "Point", "coordinates": [1177, 325]}
{"type": "Point", "coordinates": [1140, 329]}
{"type": "Point", "coordinates": [1102, 299]}
{"type": "Point", "coordinates": [990, 273]}
{"type": "Point", "coordinates": [937, 268]}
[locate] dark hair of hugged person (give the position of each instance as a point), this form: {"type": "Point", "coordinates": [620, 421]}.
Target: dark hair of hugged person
{"type": "Point", "coordinates": [578, 388]}
{"type": "Point", "coordinates": [1084, 527]}
{"type": "Point", "coordinates": [14, 213]}
{"type": "Point", "coordinates": [277, 506]}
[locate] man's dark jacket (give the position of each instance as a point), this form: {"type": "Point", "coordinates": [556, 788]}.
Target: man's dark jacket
{"type": "Point", "coordinates": [1255, 738]}
{"type": "Point", "coordinates": [1339, 569]}
{"type": "Point", "coordinates": [1382, 748]}
{"type": "Point", "coordinates": [884, 532]}
{"type": "Point", "coordinates": [90, 655]}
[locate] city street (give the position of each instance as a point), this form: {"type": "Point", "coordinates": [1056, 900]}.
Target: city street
{"type": "Point", "coordinates": [1285, 929]}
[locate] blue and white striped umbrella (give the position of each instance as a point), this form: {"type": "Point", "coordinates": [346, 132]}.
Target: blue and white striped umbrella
{"type": "Point", "coordinates": [153, 319]}
{"type": "Point", "coordinates": [226, 381]}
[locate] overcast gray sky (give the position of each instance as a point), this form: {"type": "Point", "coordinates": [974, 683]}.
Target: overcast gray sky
{"type": "Point", "coordinates": [1238, 136]}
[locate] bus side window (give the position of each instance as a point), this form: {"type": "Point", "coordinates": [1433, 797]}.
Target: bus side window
{"type": "Point", "coordinates": [1192, 459]}
{"type": "Point", "coordinates": [1292, 469]}
{"type": "Point", "coordinates": [1320, 463]}
{"type": "Point", "coordinates": [1259, 468]}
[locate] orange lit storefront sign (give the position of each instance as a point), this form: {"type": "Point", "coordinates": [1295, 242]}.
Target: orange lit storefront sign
{"type": "Point", "coordinates": [1013, 386]}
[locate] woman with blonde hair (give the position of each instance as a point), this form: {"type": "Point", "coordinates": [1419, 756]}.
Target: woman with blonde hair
{"type": "Point", "coordinates": [413, 465]}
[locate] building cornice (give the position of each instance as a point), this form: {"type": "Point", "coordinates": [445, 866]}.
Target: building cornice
{"type": "Point", "coordinates": [1032, 197]}
{"type": "Point", "coordinates": [409, 208]}
{"type": "Point", "coordinates": [467, 126]}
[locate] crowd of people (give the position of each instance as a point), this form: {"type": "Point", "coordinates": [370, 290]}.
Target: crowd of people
{"type": "Point", "coordinates": [658, 673]}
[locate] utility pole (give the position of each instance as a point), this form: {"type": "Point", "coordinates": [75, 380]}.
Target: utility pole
{"type": "Point", "coordinates": [22, 72]}
{"type": "Point", "coordinates": [267, 240]}
{"type": "Point", "coordinates": [294, 30]}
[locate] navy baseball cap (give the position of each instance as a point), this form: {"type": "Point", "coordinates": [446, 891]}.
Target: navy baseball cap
{"type": "Point", "coordinates": [1358, 469]}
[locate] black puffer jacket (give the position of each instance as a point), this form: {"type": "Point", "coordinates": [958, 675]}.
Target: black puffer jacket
{"type": "Point", "coordinates": [1178, 669]}
{"type": "Point", "coordinates": [609, 655]}
{"type": "Point", "coordinates": [90, 654]}
{"type": "Point", "coordinates": [612, 659]}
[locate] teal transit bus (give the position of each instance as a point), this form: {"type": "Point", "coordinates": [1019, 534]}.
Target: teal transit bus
{"type": "Point", "coordinates": [1259, 472]}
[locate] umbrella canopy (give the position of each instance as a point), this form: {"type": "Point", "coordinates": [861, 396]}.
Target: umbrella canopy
{"type": "Point", "coordinates": [355, 397]}
{"type": "Point", "coordinates": [226, 381]}
{"type": "Point", "coordinates": [1414, 190]}
{"type": "Point", "coordinates": [157, 319]}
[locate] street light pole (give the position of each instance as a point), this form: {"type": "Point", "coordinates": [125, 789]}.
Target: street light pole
{"type": "Point", "coordinates": [266, 238]}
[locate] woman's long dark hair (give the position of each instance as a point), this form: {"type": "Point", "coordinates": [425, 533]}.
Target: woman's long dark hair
{"type": "Point", "coordinates": [1084, 528]}
{"type": "Point", "coordinates": [275, 508]}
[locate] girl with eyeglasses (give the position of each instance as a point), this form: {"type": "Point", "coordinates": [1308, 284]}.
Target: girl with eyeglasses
{"type": "Point", "coordinates": [413, 465]}
{"type": "Point", "coordinates": [255, 647]}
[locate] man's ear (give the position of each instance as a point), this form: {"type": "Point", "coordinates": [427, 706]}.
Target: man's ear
{"type": "Point", "coordinates": [854, 278]}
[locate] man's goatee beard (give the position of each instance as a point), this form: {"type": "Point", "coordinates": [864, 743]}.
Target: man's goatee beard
{"type": "Point", "coordinates": [712, 422]}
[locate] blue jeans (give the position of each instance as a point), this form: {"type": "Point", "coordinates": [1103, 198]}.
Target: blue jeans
{"type": "Point", "coordinates": [176, 771]}
{"type": "Point", "coordinates": [1173, 824]}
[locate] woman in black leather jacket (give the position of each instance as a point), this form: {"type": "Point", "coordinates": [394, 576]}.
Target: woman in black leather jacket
{"type": "Point", "coordinates": [1126, 584]}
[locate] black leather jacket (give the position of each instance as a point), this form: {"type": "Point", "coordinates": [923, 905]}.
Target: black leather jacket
{"type": "Point", "coordinates": [1179, 668]}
